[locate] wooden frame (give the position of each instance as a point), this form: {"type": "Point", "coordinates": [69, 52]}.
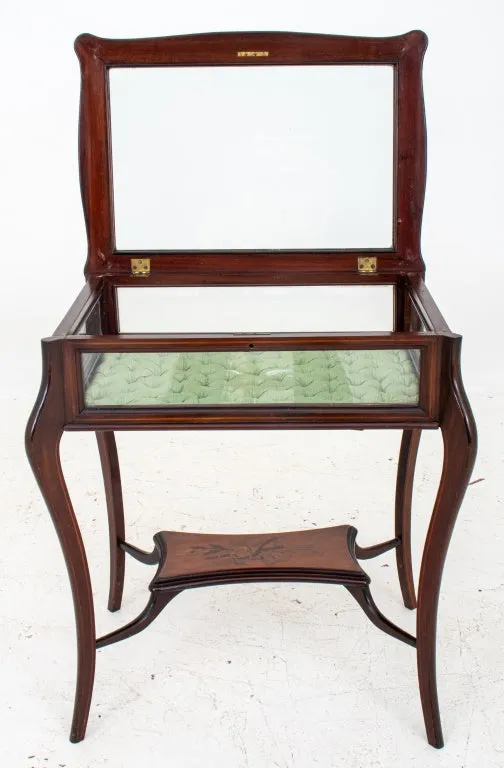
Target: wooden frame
{"type": "Point", "coordinates": [97, 56]}
{"type": "Point", "coordinates": [418, 323]}
{"type": "Point", "coordinates": [251, 416]}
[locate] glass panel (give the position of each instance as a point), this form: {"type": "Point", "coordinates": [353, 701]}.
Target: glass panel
{"type": "Point", "coordinates": [284, 309]}
{"type": "Point", "coordinates": [91, 325]}
{"type": "Point", "coordinates": [286, 157]}
{"type": "Point", "coordinates": [301, 377]}
{"type": "Point", "coordinates": [416, 325]}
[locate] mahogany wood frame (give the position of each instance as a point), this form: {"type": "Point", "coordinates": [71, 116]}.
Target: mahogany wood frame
{"type": "Point", "coordinates": [404, 53]}
{"type": "Point", "coordinates": [417, 323]}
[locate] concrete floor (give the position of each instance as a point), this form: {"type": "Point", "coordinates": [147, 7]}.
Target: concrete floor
{"type": "Point", "coordinates": [258, 675]}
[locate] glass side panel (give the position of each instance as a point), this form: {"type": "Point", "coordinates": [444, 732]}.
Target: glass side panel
{"type": "Point", "coordinates": [256, 309]}
{"type": "Point", "coordinates": [301, 377]}
{"type": "Point", "coordinates": [247, 157]}
{"type": "Point", "coordinates": [91, 325]}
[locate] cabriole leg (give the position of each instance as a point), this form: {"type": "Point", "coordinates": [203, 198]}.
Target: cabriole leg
{"type": "Point", "coordinates": [460, 440]}
{"type": "Point", "coordinates": [43, 436]}
{"type": "Point", "coordinates": [115, 511]}
{"type": "Point", "coordinates": [404, 493]}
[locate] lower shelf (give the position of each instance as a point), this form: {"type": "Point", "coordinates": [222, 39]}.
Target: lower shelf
{"type": "Point", "coordinates": [320, 554]}
{"type": "Point", "coordinates": [189, 560]}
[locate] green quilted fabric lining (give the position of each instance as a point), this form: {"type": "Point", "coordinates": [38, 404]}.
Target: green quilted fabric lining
{"type": "Point", "coordinates": [226, 378]}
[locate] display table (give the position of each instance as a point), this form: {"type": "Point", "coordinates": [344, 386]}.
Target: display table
{"type": "Point", "coordinates": [235, 375]}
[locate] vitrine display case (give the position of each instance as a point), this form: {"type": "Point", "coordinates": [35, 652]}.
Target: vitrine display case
{"type": "Point", "coordinates": [253, 205]}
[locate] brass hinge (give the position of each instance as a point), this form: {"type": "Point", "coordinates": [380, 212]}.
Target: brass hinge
{"type": "Point", "coordinates": [140, 267]}
{"type": "Point", "coordinates": [366, 264]}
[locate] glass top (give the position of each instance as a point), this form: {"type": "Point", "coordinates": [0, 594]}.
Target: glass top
{"type": "Point", "coordinates": [252, 377]}
{"type": "Point", "coordinates": [282, 157]}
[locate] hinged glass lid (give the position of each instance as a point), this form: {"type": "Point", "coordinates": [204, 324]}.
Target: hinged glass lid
{"type": "Point", "coordinates": [274, 153]}
{"type": "Point", "coordinates": [285, 157]}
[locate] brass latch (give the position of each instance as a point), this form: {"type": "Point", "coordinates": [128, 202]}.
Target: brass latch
{"type": "Point", "coordinates": [366, 264]}
{"type": "Point", "coordinates": [251, 54]}
{"type": "Point", "coordinates": [140, 267]}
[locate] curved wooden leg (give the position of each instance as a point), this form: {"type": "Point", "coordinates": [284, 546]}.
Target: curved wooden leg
{"type": "Point", "coordinates": [43, 435]}
{"type": "Point", "coordinates": [115, 511]}
{"type": "Point", "coordinates": [460, 445]}
{"type": "Point", "coordinates": [404, 493]}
